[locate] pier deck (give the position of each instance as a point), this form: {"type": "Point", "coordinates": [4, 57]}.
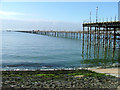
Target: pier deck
{"type": "Point", "coordinates": [115, 24]}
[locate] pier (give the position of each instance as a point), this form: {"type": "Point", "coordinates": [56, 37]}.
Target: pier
{"type": "Point", "coordinates": [100, 29]}
{"type": "Point", "coordinates": [65, 34]}
{"type": "Point", "coordinates": [104, 30]}
{"type": "Point", "coordinates": [105, 33]}
{"type": "Point", "coordinates": [94, 35]}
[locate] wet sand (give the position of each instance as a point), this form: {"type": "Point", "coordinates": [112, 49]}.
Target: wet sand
{"type": "Point", "coordinates": [109, 71]}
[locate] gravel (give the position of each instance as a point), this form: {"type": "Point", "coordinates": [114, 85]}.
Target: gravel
{"type": "Point", "coordinates": [64, 81]}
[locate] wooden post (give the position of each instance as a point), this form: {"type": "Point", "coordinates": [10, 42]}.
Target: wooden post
{"type": "Point", "coordinates": [65, 34]}
{"type": "Point", "coordinates": [114, 44]}
{"type": "Point", "coordinates": [83, 32]}
{"type": "Point", "coordinates": [109, 39]}
{"type": "Point", "coordinates": [58, 34]}
{"type": "Point", "coordinates": [78, 35]}
{"type": "Point", "coordinates": [83, 43]}
{"type": "Point", "coordinates": [99, 33]}
{"type": "Point", "coordinates": [94, 49]}
{"type": "Point", "coordinates": [98, 48]}
{"type": "Point", "coordinates": [106, 32]}
{"type": "Point", "coordinates": [52, 33]}
{"type": "Point", "coordinates": [45, 33]}
{"type": "Point", "coordinates": [70, 35]}
{"type": "Point", "coordinates": [48, 33]}
{"type": "Point", "coordinates": [95, 33]}
{"type": "Point", "coordinates": [83, 48]}
{"type": "Point", "coordinates": [114, 38]}
{"type": "Point", "coordinates": [55, 33]}
{"type": "Point", "coordinates": [90, 43]}
{"type": "Point", "coordinates": [90, 35]}
{"type": "Point", "coordinates": [74, 35]}
{"type": "Point", "coordinates": [95, 42]}
{"type": "Point", "coordinates": [119, 55]}
{"type": "Point", "coordinates": [103, 37]}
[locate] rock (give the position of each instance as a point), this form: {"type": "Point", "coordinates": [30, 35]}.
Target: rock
{"type": "Point", "coordinates": [79, 76]}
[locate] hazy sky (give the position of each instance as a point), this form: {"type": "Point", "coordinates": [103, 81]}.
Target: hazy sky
{"type": "Point", "coordinates": [53, 16]}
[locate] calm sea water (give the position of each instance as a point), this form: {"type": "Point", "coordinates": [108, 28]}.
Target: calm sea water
{"type": "Point", "coordinates": [34, 51]}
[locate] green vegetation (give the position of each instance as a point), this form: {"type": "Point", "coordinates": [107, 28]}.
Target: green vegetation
{"type": "Point", "coordinates": [51, 74]}
{"type": "Point", "coordinates": [46, 75]}
{"type": "Point", "coordinates": [12, 75]}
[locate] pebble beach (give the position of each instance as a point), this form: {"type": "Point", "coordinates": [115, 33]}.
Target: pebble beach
{"type": "Point", "coordinates": [58, 79]}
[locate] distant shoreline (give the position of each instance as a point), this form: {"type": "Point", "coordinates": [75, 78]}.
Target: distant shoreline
{"type": "Point", "coordinates": [74, 68]}
{"type": "Point", "coordinates": [114, 71]}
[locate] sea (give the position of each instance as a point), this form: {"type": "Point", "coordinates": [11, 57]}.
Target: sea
{"type": "Point", "coordinates": [27, 51]}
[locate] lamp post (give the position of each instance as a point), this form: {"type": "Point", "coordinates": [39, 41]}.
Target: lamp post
{"type": "Point", "coordinates": [115, 18]}
{"type": "Point", "coordinates": [96, 14]}
{"type": "Point", "coordinates": [90, 17]}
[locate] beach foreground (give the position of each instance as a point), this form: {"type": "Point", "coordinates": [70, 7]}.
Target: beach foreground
{"type": "Point", "coordinates": [109, 71]}
{"type": "Point", "coordinates": [80, 78]}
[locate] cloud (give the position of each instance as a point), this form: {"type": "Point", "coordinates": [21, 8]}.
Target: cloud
{"type": "Point", "coordinates": [10, 13]}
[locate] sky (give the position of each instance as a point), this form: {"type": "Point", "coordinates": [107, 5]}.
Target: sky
{"type": "Point", "coordinates": [54, 15]}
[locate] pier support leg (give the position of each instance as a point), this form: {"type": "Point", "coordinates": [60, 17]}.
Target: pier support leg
{"type": "Point", "coordinates": [77, 35]}
{"type": "Point", "coordinates": [95, 36]}
{"type": "Point", "coordinates": [99, 33]}
{"type": "Point", "coordinates": [83, 43]}
{"type": "Point", "coordinates": [109, 39]}
{"type": "Point", "coordinates": [74, 35]}
{"type": "Point", "coordinates": [107, 33]}
{"type": "Point", "coordinates": [83, 32]}
{"type": "Point", "coordinates": [55, 34]}
{"type": "Point", "coordinates": [90, 35]}
{"type": "Point", "coordinates": [114, 45]}
{"type": "Point", "coordinates": [103, 37]}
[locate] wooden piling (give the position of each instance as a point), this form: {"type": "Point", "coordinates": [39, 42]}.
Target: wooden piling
{"type": "Point", "coordinates": [83, 48]}
{"type": "Point", "coordinates": [95, 33]}
{"type": "Point", "coordinates": [79, 35]}
{"type": "Point", "coordinates": [114, 44]}
{"type": "Point", "coordinates": [83, 32]}
{"type": "Point", "coordinates": [103, 37]}
{"type": "Point", "coordinates": [90, 35]}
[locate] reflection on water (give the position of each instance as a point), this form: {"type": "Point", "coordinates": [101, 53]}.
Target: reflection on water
{"type": "Point", "coordinates": [104, 51]}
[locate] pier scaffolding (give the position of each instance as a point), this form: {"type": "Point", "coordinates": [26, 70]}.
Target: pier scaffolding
{"type": "Point", "coordinates": [105, 31]}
